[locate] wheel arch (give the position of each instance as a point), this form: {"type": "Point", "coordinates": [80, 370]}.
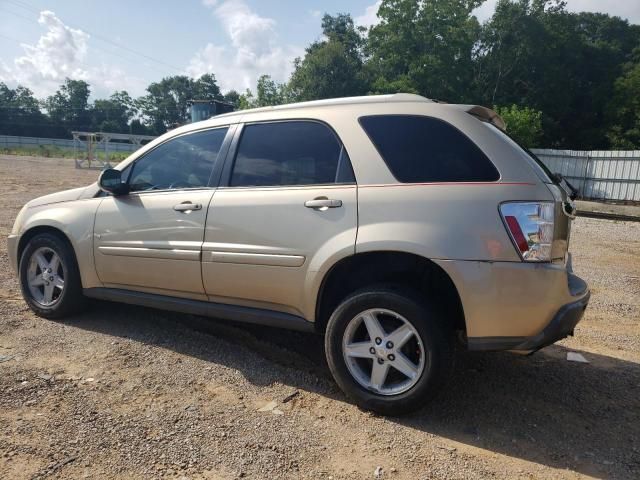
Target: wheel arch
{"type": "Point", "coordinates": [393, 269]}
{"type": "Point", "coordinates": [40, 229]}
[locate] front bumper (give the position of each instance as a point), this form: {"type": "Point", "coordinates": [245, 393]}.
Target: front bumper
{"type": "Point", "coordinates": [12, 250]}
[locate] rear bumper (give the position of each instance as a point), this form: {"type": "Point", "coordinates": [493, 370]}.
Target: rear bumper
{"type": "Point", "coordinates": [561, 325]}
{"type": "Point", "coordinates": [517, 305]}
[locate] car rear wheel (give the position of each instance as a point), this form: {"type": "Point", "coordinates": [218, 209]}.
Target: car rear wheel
{"type": "Point", "coordinates": [49, 277]}
{"type": "Point", "coordinates": [388, 350]}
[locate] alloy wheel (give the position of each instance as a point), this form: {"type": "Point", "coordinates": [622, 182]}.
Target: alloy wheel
{"type": "Point", "coordinates": [45, 276]}
{"type": "Point", "coordinates": [383, 351]}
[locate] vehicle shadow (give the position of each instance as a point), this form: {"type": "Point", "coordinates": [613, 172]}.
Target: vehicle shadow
{"type": "Point", "coordinates": [542, 408]}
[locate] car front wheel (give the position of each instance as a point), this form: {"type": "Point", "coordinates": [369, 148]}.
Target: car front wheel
{"type": "Point", "coordinates": [49, 277]}
{"type": "Point", "coordinates": [388, 350]}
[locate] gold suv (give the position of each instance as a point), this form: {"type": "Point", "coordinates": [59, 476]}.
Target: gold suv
{"type": "Point", "coordinates": [392, 225]}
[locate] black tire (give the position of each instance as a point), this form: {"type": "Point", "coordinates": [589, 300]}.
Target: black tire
{"type": "Point", "coordinates": [70, 300]}
{"type": "Point", "coordinates": [437, 343]}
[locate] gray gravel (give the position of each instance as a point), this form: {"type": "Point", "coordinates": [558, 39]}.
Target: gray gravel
{"type": "Point", "coordinates": [127, 392]}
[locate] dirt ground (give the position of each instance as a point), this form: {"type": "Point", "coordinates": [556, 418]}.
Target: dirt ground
{"type": "Point", "coordinates": [126, 392]}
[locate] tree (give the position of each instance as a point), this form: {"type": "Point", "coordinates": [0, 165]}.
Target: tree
{"type": "Point", "coordinates": [534, 53]}
{"type": "Point", "coordinates": [20, 112]}
{"type": "Point", "coordinates": [624, 109]}
{"type": "Point", "coordinates": [68, 108]}
{"type": "Point", "coordinates": [333, 67]}
{"type": "Point", "coordinates": [246, 100]}
{"type": "Point", "coordinates": [113, 114]}
{"type": "Point", "coordinates": [269, 92]}
{"type": "Point", "coordinates": [424, 47]}
{"type": "Point", "coordinates": [206, 88]}
{"type": "Point", "coordinates": [232, 97]}
{"type": "Point", "coordinates": [167, 102]}
{"type": "Point", "coordinates": [523, 124]}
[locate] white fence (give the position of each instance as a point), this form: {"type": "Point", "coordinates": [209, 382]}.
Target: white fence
{"type": "Point", "coordinates": [597, 174]}
{"type": "Point", "coordinates": [10, 141]}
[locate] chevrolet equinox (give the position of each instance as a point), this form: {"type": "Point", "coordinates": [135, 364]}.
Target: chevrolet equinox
{"type": "Point", "coordinates": [395, 226]}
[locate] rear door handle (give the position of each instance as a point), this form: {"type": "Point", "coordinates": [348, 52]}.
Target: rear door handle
{"type": "Point", "coordinates": [187, 207]}
{"type": "Point", "coordinates": [323, 203]}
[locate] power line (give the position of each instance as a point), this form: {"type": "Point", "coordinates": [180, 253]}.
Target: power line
{"type": "Point", "coordinates": [32, 9]}
{"type": "Point", "coordinates": [120, 57]}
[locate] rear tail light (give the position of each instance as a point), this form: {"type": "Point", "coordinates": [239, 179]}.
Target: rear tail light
{"type": "Point", "coordinates": [530, 225]}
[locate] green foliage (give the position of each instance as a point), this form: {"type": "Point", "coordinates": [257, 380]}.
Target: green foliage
{"type": "Point", "coordinates": [166, 104]}
{"type": "Point", "coordinates": [534, 53]}
{"type": "Point", "coordinates": [232, 97]}
{"type": "Point", "coordinates": [246, 100]}
{"type": "Point", "coordinates": [333, 67]}
{"type": "Point", "coordinates": [531, 56]}
{"type": "Point", "coordinates": [523, 124]}
{"type": "Point", "coordinates": [424, 47]}
{"type": "Point", "coordinates": [268, 93]}
{"type": "Point", "coordinates": [68, 108]}
{"type": "Point", "coordinates": [113, 114]}
{"type": "Point", "coordinates": [20, 112]}
{"type": "Point", "coordinates": [624, 109]}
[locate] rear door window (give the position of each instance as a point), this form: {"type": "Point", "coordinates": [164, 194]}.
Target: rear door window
{"type": "Point", "coordinates": [290, 153]}
{"type": "Point", "coordinates": [419, 149]}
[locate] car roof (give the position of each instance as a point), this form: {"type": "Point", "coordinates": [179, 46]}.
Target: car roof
{"type": "Point", "coordinates": [393, 98]}
{"type": "Point", "coordinates": [282, 111]}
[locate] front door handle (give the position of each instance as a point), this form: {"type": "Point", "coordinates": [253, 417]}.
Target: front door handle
{"type": "Point", "coordinates": [323, 203]}
{"type": "Point", "coordinates": [187, 207]}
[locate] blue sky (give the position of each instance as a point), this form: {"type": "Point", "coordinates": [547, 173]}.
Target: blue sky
{"type": "Point", "coordinates": [121, 44]}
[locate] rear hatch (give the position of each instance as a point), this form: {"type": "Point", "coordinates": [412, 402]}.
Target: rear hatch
{"type": "Point", "coordinates": [561, 191]}
{"type": "Point", "coordinates": [563, 195]}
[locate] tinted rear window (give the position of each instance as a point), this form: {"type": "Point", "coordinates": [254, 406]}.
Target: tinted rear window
{"type": "Point", "coordinates": [290, 153]}
{"type": "Point", "coordinates": [424, 149]}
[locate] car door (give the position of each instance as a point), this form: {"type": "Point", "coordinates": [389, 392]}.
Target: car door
{"type": "Point", "coordinates": [286, 205]}
{"type": "Point", "coordinates": [151, 239]}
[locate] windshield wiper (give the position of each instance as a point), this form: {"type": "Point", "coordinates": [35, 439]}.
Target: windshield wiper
{"type": "Point", "coordinates": [573, 194]}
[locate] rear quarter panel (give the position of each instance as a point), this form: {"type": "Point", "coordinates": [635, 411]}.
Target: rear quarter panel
{"type": "Point", "coordinates": [440, 221]}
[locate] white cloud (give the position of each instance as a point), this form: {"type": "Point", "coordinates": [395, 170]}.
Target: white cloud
{"type": "Point", "coordinates": [60, 53]}
{"type": "Point", "coordinates": [629, 9]}
{"type": "Point", "coordinates": [254, 49]}
{"type": "Point", "coordinates": [370, 15]}
{"type": "Point", "coordinates": [485, 11]}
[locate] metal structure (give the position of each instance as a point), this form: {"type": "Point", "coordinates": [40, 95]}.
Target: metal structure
{"type": "Point", "coordinates": [91, 143]}
{"type": "Point", "coordinates": [607, 175]}
{"type": "Point", "coordinates": [204, 109]}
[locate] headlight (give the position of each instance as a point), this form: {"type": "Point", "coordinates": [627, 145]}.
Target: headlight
{"type": "Point", "coordinates": [530, 225]}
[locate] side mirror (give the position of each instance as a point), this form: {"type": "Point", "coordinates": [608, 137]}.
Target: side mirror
{"type": "Point", "coordinates": [111, 181]}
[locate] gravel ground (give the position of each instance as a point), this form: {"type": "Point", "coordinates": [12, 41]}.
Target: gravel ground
{"type": "Point", "coordinates": [126, 392]}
